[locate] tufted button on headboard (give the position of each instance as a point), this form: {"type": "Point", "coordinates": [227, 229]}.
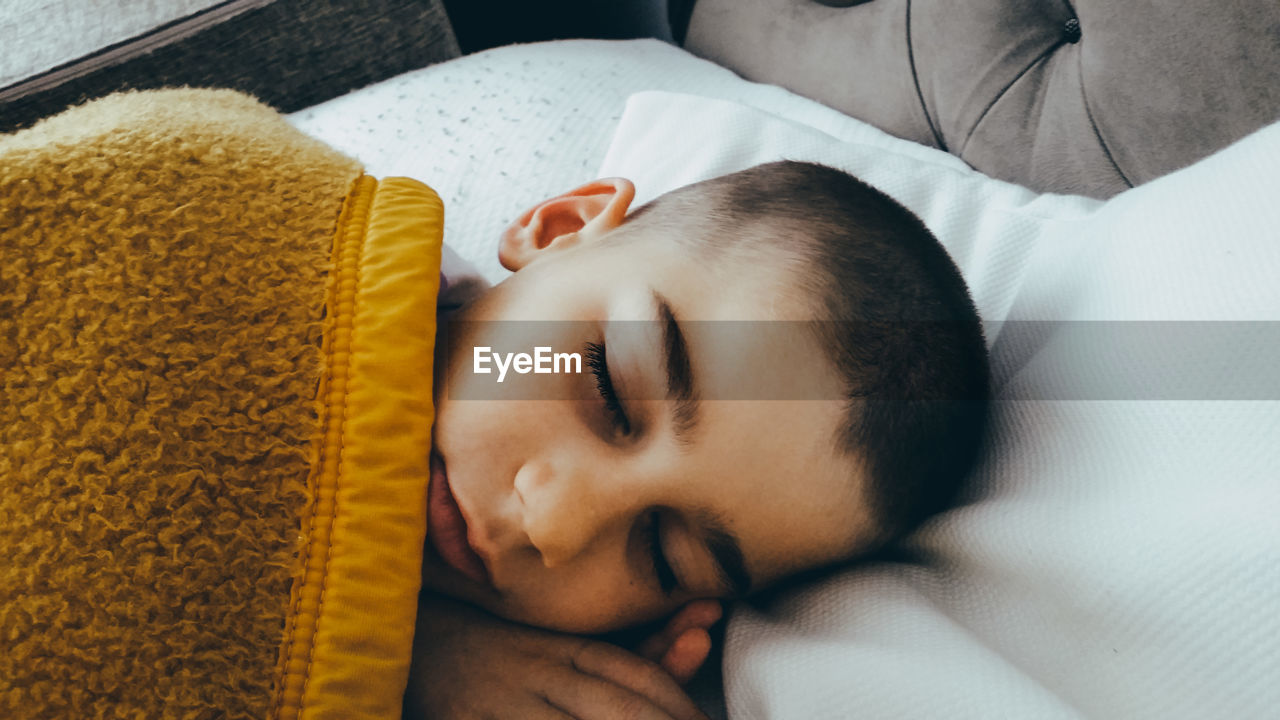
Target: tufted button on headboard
{"type": "Point", "coordinates": [1088, 97]}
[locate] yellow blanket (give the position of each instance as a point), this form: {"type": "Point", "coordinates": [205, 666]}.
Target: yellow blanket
{"type": "Point", "coordinates": [216, 347]}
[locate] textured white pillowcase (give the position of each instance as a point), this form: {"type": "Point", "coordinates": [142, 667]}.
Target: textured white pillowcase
{"type": "Point", "coordinates": [1119, 555]}
{"type": "Point", "coordinates": [1117, 558]}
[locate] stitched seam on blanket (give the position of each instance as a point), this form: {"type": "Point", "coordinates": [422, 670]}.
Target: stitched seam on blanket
{"type": "Point", "coordinates": [306, 614]}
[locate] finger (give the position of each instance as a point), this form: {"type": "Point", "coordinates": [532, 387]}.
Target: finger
{"type": "Point", "coordinates": [697, 614]}
{"type": "Point", "coordinates": [639, 676]}
{"type": "Point", "coordinates": [704, 613]}
{"type": "Point", "coordinates": [687, 654]}
{"type": "Point", "coordinates": [588, 697]}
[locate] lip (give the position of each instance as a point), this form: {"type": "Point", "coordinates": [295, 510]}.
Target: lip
{"type": "Point", "coordinates": [447, 527]}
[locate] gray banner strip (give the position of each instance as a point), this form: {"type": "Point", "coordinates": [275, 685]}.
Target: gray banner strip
{"type": "Point", "coordinates": [1120, 360]}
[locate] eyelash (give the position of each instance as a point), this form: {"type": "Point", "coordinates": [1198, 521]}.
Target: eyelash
{"type": "Point", "coordinates": [597, 360]}
{"type": "Point", "coordinates": [661, 568]}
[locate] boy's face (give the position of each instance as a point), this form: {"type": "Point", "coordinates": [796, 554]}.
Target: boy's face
{"type": "Point", "coordinates": [545, 510]}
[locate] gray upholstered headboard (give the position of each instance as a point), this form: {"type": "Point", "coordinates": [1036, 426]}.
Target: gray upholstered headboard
{"type": "Point", "coordinates": [1087, 96]}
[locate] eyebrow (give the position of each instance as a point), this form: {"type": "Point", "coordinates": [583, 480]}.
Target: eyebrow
{"type": "Point", "coordinates": [680, 382]}
{"type": "Point", "coordinates": [727, 553]}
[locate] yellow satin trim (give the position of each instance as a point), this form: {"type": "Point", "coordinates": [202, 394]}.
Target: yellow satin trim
{"type": "Point", "coordinates": [349, 633]}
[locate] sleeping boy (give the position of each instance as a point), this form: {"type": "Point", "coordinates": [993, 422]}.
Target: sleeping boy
{"type": "Point", "coordinates": [784, 371]}
{"type": "Point", "coordinates": [779, 370]}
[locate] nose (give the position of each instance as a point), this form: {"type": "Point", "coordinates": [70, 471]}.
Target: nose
{"type": "Point", "coordinates": [572, 507]}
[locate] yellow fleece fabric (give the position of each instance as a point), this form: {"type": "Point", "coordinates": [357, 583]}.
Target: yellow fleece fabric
{"type": "Point", "coordinates": [216, 341]}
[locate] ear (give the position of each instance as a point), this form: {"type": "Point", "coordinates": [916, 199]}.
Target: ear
{"type": "Point", "coordinates": [581, 215]}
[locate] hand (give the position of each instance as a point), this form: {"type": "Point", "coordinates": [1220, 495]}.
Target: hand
{"type": "Point", "coordinates": [468, 664]}
{"type": "Point", "coordinates": [683, 645]}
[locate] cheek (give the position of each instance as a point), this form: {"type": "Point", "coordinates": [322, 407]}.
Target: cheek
{"type": "Point", "coordinates": [478, 431]}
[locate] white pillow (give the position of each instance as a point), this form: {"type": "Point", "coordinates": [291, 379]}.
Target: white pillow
{"type": "Point", "coordinates": [1119, 555]}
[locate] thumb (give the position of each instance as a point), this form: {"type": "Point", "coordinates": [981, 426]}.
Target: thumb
{"type": "Point", "coordinates": [696, 614]}
{"type": "Point", "coordinates": [687, 654]}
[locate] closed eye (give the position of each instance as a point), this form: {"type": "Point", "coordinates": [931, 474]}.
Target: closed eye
{"type": "Point", "coordinates": [598, 361]}
{"type": "Point", "coordinates": [661, 567]}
